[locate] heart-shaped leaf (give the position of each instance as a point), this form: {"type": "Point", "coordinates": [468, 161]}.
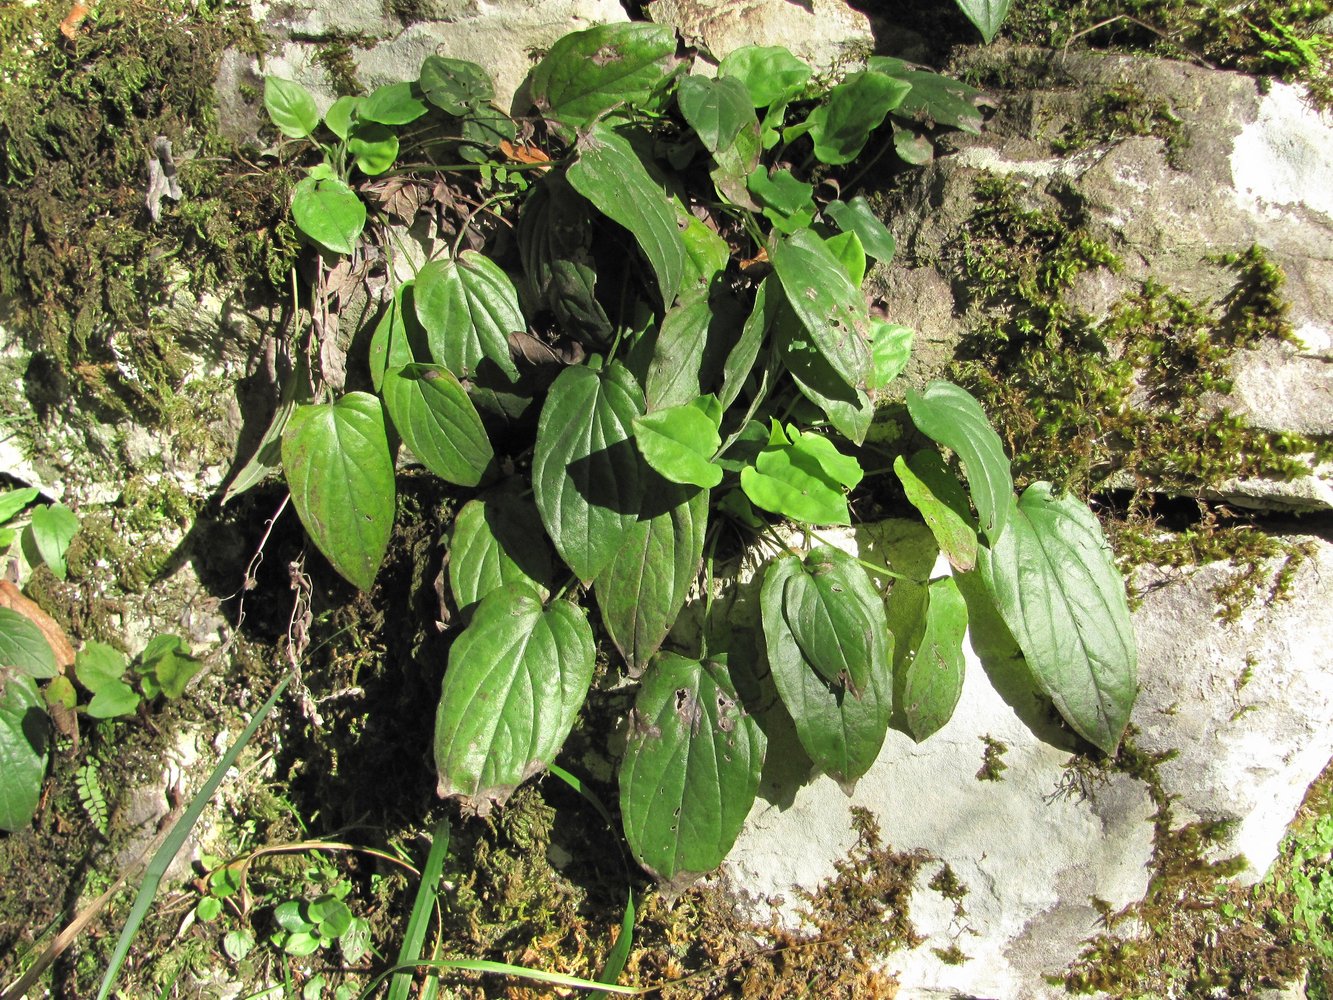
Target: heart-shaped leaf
{"type": "Point", "coordinates": [23, 647]}
{"type": "Point", "coordinates": [715, 109]}
{"type": "Point", "coordinates": [834, 633]}
{"type": "Point", "coordinates": [455, 86]}
{"type": "Point", "coordinates": [691, 769]}
{"type": "Point", "coordinates": [329, 212]}
{"type": "Point", "coordinates": [769, 72]}
{"type": "Point", "coordinates": [23, 728]}
{"type": "Point", "coordinates": [516, 678]}
{"type": "Point", "coordinates": [586, 474]}
{"type": "Point", "coordinates": [98, 665]}
{"type": "Point", "coordinates": [933, 99]}
{"type": "Point", "coordinates": [436, 419]}
{"type": "Point", "coordinates": [1055, 583]}
{"type": "Point", "coordinates": [951, 416]}
{"type": "Point", "coordinates": [610, 174]}
{"type": "Point", "coordinates": [855, 108]}
{"type": "Point", "coordinates": [588, 72]}
{"type": "Point", "coordinates": [841, 732]}
{"type": "Point", "coordinates": [987, 15]}
{"type": "Point", "coordinates": [340, 473]}
{"type": "Point", "coordinates": [933, 680]}
{"type": "Point", "coordinates": [932, 489]}
{"type": "Point", "coordinates": [341, 116]}
{"type": "Point", "coordinates": [468, 307]}
{"type": "Point", "coordinates": [291, 107]}
{"type": "Point", "coordinates": [496, 540]}
{"type": "Point", "coordinates": [679, 442]}
{"type": "Point", "coordinates": [831, 308]}
{"type": "Point", "coordinates": [373, 147]}
{"type": "Point", "coordinates": [643, 588]}
{"type": "Point", "coordinates": [392, 104]}
{"type": "Point", "coordinates": [113, 699]}
{"type": "Point", "coordinates": [50, 530]}
{"type": "Point", "coordinates": [856, 216]}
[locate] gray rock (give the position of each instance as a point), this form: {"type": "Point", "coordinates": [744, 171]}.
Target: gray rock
{"type": "Point", "coordinates": [1243, 168]}
{"type": "Point", "coordinates": [1031, 851]}
{"type": "Point", "coordinates": [822, 32]}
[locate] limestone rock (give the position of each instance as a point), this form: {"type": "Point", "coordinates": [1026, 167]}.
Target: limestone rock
{"type": "Point", "coordinates": [1231, 167]}
{"type": "Point", "coordinates": [822, 32]}
{"type": "Point", "coordinates": [1031, 854]}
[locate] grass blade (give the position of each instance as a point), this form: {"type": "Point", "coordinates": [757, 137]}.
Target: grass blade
{"type": "Point", "coordinates": [157, 868]}
{"type": "Point", "coordinates": [419, 922]}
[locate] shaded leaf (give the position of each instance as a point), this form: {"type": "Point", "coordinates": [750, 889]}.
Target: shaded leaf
{"type": "Point", "coordinates": [678, 353]}
{"type": "Point", "coordinates": [23, 737]}
{"type": "Point", "coordinates": [715, 109]}
{"type": "Point", "coordinates": [835, 633]}
{"type": "Point", "coordinates": [951, 416]}
{"type": "Point", "coordinates": [436, 419]}
{"type": "Point", "coordinates": [516, 678]}
{"type": "Point", "coordinates": [455, 86]}
{"type": "Point", "coordinates": [691, 769]}
{"type": "Point", "coordinates": [23, 647]}
{"type": "Point", "coordinates": [340, 473]}
{"type": "Point", "coordinates": [934, 676]}
{"type": "Point", "coordinates": [933, 100]}
{"type": "Point", "coordinates": [610, 174]}
{"type": "Point", "coordinates": [1054, 580]}
{"type": "Point", "coordinates": [496, 540]}
{"type": "Point", "coordinates": [857, 217]}
{"type": "Point", "coordinates": [848, 409]}
{"type": "Point", "coordinates": [932, 489]}
{"type": "Point", "coordinates": [841, 127]}
{"type": "Point", "coordinates": [586, 474]}
{"type": "Point", "coordinates": [987, 15]}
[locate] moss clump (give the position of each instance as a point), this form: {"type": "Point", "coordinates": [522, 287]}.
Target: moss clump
{"type": "Point", "coordinates": [1195, 933]}
{"type": "Point", "coordinates": [992, 760]}
{"type": "Point", "coordinates": [1268, 38]}
{"type": "Point", "coordinates": [82, 266]}
{"type": "Point", "coordinates": [1127, 400]}
{"type": "Point", "coordinates": [1120, 112]}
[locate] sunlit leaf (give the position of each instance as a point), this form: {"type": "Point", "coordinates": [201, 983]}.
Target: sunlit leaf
{"type": "Point", "coordinates": [455, 86]}
{"type": "Point", "coordinates": [51, 529]}
{"type": "Point", "coordinates": [468, 307]}
{"type": "Point", "coordinates": [679, 443]}
{"type": "Point", "coordinates": [715, 109]}
{"type": "Point", "coordinates": [841, 127]}
{"type": "Point", "coordinates": [329, 212]}
{"type": "Point", "coordinates": [291, 107]}
{"type": "Point", "coordinates": [932, 489]}
{"type": "Point", "coordinates": [23, 647]}
{"type": "Point", "coordinates": [856, 216]}
{"type": "Point", "coordinates": [436, 419]}
{"type": "Point", "coordinates": [588, 72]}
{"type": "Point", "coordinates": [392, 104]}
{"type": "Point", "coordinates": [933, 680]}
{"type": "Point", "coordinates": [770, 73]}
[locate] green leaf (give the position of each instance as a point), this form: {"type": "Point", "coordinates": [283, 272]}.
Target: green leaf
{"type": "Point", "coordinates": [113, 699]}
{"type": "Point", "coordinates": [586, 475]}
{"type": "Point", "coordinates": [856, 216]}
{"type": "Point", "coordinates": [1054, 580]}
{"type": "Point", "coordinates": [555, 238]}
{"type": "Point", "coordinates": [841, 127]}
{"type": "Point", "coordinates": [715, 109]}
{"type": "Point", "coordinates": [60, 692]}
{"type": "Point", "coordinates": [13, 501]}
{"type": "Point", "coordinates": [168, 660]}
{"type": "Point", "coordinates": [691, 769]}
{"type": "Point", "coordinates": [390, 345]}
{"type": "Point", "coordinates": [588, 72]}
{"type": "Point", "coordinates": [299, 944]}
{"type": "Point", "coordinates": [23, 647]}
{"type": "Point", "coordinates": [890, 350]}
{"type": "Point", "coordinates": [931, 488]}
{"type": "Point", "coordinates": [841, 732]}
{"type": "Point", "coordinates": [455, 86]}
{"type": "Point", "coordinates": [610, 174]}
{"type": "Point", "coordinates": [951, 416]}
{"type": "Point", "coordinates": [468, 307]}
{"type": "Point", "coordinates": [341, 116]}
{"type": "Point", "coordinates": [373, 147]}
{"type": "Point", "coordinates": [496, 540]}
{"type": "Point", "coordinates": [329, 212]}
{"type": "Point", "coordinates": [847, 250]}
{"type": "Point", "coordinates": [436, 419]}
{"type": "Point", "coordinates": [291, 107]}
{"type": "Point", "coordinates": [934, 677]}
{"type": "Point", "coordinates": [743, 354]}
{"type": "Point", "coordinates": [642, 589]}
{"type": "Point", "coordinates": [769, 72]}
{"type": "Point", "coordinates": [678, 353]}
{"type": "Point", "coordinates": [51, 529]}
{"type": "Point", "coordinates": [802, 478]}
{"type": "Point", "coordinates": [516, 679]}
{"type": "Point", "coordinates": [290, 916]}
{"type": "Point", "coordinates": [679, 442]}
{"type": "Point", "coordinates": [933, 99]}
{"type": "Point", "coordinates": [836, 634]}
{"type": "Point", "coordinates": [706, 256]}
{"type": "Point", "coordinates": [848, 409]}
{"type": "Point", "coordinates": [392, 104]}
{"type": "Point", "coordinates": [334, 917]}
{"type": "Point", "coordinates": [786, 201]}
{"type": "Point", "coordinates": [733, 166]}
{"type": "Point", "coordinates": [831, 308]}
{"type": "Point", "coordinates": [912, 146]}
{"type": "Point", "coordinates": [23, 735]}
{"type": "Point", "coordinates": [96, 665]}
{"type": "Point", "coordinates": [338, 467]}
{"type": "Point", "coordinates": [987, 15]}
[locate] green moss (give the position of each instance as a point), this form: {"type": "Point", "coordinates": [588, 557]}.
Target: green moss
{"type": "Point", "coordinates": [336, 58]}
{"type": "Point", "coordinates": [992, 760]}
{"type": "Point", "coordinates": [1125, 401]}
{"type": "Point", "coordinates": [1195, 933]}
{"type": "Point", "coordinates": [82, 266]}
{"type": "Point", "coordinates": [1120, 112]}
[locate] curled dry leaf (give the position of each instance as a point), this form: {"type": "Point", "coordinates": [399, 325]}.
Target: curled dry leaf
{"type": "Point", "coordinates": [11, 597]}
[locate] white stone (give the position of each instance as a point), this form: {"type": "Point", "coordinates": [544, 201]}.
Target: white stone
{"type": "Point", "coordinates": [1285, 156]}
{"type": "Point", "coordinates": [822, 32]}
